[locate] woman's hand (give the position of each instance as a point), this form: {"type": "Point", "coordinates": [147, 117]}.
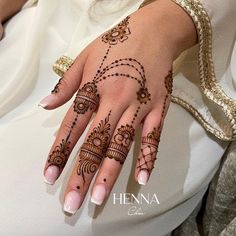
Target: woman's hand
{"type": "Point", "coordinates": [125, 76]}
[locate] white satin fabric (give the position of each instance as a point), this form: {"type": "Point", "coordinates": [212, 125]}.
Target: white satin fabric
{"type": "Point", "coordinates": [187, 160]}
{"type": "Point", "coordinates": [187, 79]}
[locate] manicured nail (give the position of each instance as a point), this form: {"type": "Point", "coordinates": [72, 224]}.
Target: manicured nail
{"type": "Point", "coordinates": [46, 101]}
{"type": "Point", "coordinates": [51, 174]}
{"type": "Point", "coordinates": [72, 202]}
{"type": "Point", "coordinates": [98, 194]}
{"type": "Point", "coordinates": [143, 177]}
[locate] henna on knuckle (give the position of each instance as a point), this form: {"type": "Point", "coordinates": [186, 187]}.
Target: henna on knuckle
{"type": "Point", "coordinates": [87, 98]}
{"type": "Point", "coordinates": [117, 34]}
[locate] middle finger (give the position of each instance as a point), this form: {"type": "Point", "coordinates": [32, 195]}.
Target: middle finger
{"type": "Point", "coordinates": [91, 155]}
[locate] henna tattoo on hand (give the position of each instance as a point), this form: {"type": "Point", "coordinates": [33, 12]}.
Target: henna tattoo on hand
{"type": "Point", "coordinates": [119, 147]}
{"type": "Point", "coordinates": [86, 99]}
{"type": "Point", "coordinates": [169, 82]}
{"type": "Point", "coordinates": [143, 95]}
{"type": "Point", "coordinates": [60, 154]}
{"type": "Point", "coordinates": [93, 150]}
{"type": "Point", "coordinates": [56, 88]}
{"type": "Point", "coordinates": [117, 34]}
{"type": "Point", "coordinates": [149, 150]}
{"type": "Point", "coordinates": [151, 142]}
{"type": "Point", "coordinates": [168, 85]}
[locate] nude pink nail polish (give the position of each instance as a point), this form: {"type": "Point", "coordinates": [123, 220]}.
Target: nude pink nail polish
{"type": "Point", "coordinates": [143, 177]}
{"type": "Point", "coordinates": [98, 194]}
{"type": "Point", "coordinates": [72, 202]}
{"type": "Point", "coordinates": [46, 101]}
{"type": "Point", "coordinates": [51, 174]}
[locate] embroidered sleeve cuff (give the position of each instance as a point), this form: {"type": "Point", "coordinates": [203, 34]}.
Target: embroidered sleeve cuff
{"type": "Point", "coordinates": [208, 83]}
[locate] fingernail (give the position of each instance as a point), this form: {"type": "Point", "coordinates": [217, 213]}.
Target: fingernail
{"type": "Point", "coordinates": [51, 174]}
{"type": "Point", "coordinates": [143, 177]}
{"type": "Point", "coordinates": [46, 101]}
{"type": "Point", "coordinates": [72, 202]}
{"type": "Point", "coordinates": [98, 194]}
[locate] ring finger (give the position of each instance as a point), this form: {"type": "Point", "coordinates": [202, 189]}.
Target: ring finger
{"type": "Point", "coordinates": [116, 154]}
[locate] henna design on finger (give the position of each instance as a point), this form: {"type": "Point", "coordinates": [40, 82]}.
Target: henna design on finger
{"type": "Point", "coordinates": [86, 99]}
{"type": "Point", "coordinates": [56, 88]}
{"type": "Point", "coordinates": [117, 34]}
{"type": "Point", "coordinates": [119, 147]}
{"type": "Point", "coordinates": [60, 154]}
{"type": "Point", "coordinates": [151, 142]}
{"type": "Point", "coordinates": [93, 150]}
{"type": "Point", "coordinates": [149, 150]}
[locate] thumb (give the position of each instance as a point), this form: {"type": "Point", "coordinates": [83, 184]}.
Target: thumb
{"type": "Point", "coordinates": [67, 85]}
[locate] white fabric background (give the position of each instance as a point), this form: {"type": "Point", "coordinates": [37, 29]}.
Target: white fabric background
{"type": "Point", "coordinates": [187, 159]}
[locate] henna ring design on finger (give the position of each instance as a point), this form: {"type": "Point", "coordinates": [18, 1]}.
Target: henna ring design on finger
{"type": "Point", "coordinates": [119, 147]}
{"type": "Point", "coordinates": [93, 150]}
{"type": "Point", "coordinates": [149, 150]}
{"type": "Point", "coordinates": [86, 98]}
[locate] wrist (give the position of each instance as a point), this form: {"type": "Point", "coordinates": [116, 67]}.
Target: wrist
{"type": "Point", "coordinates": [172, 25]}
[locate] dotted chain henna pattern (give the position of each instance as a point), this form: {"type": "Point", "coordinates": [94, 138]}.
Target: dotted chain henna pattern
{"type": "Point", "coordinates": [87, 99]}
{"type": "Point", "coordinates": [151, 142]}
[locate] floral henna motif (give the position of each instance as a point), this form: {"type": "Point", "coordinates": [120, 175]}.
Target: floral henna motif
{"type": "Point", "coordinates": [143, 95]}
{"type": "Point", "coordinates": [60, 154]}
{"type": "Point", "coordinates": [93, 150]}
{"type": "Point", "coordinates": [119, 147]}
{"type": "Point", "coordinates": [118, 33]}
{"type": "Point", "coordinates": [86, 99]}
